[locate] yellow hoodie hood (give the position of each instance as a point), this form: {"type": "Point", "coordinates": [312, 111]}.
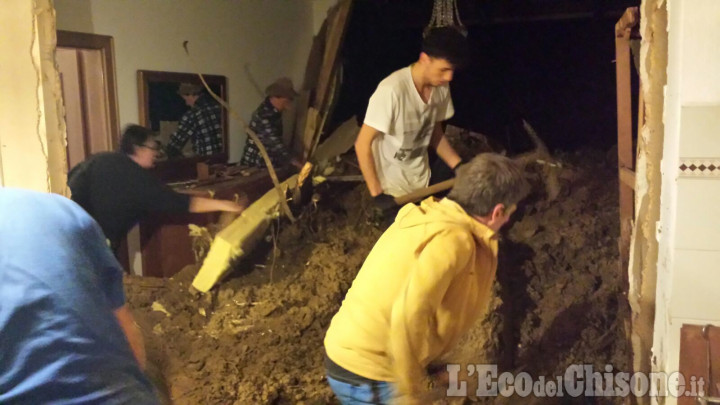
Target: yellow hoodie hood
{"type": "Point", "coordinates": [432, 211]}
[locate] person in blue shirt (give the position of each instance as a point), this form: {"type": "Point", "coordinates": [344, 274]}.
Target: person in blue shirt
{"type": "Point", "coordinates": [66, 333]}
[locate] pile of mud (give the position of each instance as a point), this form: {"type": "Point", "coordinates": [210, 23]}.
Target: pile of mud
{"type": "Point", "coordinates": [258, 337]}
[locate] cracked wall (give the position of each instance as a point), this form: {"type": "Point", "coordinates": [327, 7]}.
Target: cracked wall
{"type": "Point", "coordinates": [644, 247]}
{"type": "Point", "coordinates": [32, 143]}
{"type": "Point", "coordinates": [677, 233]}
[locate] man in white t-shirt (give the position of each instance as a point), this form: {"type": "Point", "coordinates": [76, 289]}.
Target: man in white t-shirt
{"type": "Point", "coordinates": [404, 117]}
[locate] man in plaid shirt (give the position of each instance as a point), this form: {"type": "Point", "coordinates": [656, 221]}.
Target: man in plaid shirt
{"type": "Point", "coordinates": [200, 124]}
{"type": "Point", "coordinates": [266, 122]}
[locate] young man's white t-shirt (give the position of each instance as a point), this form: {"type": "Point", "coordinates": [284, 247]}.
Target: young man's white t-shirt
{"type": "Point", "coordinates": [406, 122]}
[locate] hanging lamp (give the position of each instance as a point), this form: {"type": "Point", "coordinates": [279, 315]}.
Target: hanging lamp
{"type": "Point", "coordinates": [445, 14]}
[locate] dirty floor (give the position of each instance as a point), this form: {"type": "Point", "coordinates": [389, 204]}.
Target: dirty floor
{"type": "Point", "coordinates": [257, 339]}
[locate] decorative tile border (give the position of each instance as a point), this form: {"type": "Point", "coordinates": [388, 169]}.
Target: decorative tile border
{"type": "Point", "coordinates": [700, 167]}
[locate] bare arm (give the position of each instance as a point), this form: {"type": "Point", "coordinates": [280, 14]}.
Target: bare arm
{"type": "Point", "coordinates": [202, 204]}
{"type": "Point", "coordinates": [363, 149]}
{"type": "Point", "coordinates": [443, 147]}
{"type": "Point", "coordinates": [132, 333]}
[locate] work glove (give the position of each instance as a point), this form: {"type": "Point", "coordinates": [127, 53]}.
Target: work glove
{"type": "Point", "coordinates": [384, 202]}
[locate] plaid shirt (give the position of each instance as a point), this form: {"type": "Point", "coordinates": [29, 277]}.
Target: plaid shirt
{"type": "Point", "coordinates": [201, 124]}
{"type": "Point", "coordinates": [266, 122]}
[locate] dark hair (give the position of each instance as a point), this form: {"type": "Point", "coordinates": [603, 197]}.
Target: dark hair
{"type": "Point", "coordinates": [446, 43]}
{"type": "Point", "coordinates": [133, 135]}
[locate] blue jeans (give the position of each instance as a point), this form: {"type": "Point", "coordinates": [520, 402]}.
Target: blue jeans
{"type": "Point", "coordinates": [351, 394]}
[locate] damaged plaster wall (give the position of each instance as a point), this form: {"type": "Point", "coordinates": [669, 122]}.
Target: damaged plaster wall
{"type": "Point", "coordinates": [32, 143]}
{"type": "Point", "coordinates": [689, 227]}
{"type": "Point", "coordinates": [250, 42]}
{"type": "Point", "coordinates": [644, 247]}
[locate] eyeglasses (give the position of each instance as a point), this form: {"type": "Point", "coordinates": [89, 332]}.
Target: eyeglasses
{"type": "Point", "coordinates": [155, 146]}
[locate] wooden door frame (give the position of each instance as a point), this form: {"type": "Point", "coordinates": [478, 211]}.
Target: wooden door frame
{"type": "Point", "coordinates": [104, 44]}
{"type": "Point", "coordinates": [625, 30]}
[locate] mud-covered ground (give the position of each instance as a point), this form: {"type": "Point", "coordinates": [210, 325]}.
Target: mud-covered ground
{"type": "Point", "coordinates": [258, 337]}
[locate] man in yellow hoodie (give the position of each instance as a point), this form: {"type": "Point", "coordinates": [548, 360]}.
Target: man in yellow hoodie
{"type": "Point", "coordinates": [423, 285]}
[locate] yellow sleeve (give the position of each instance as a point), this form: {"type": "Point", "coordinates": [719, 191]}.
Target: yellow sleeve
{"type": "Point", "coordinates": [413, 326]}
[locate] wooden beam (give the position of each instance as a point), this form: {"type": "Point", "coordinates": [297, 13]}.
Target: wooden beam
{"type": "Point", "coordinates": [627, 177]}
{"type": "Point", "coordinates": [240, 237]}
{"type": "Point", "coordinates": [339, 142]}
{"type": "Point", "coordinates": [628, 21]}
{"type": "Point", "coordinates": [297, 143]}
{"type": "Point", "coordinates": [337, 26]}
{"type": "Point", "coordinates": [311, 129]}
{"type": "Point", "coordinates": [623, 30]}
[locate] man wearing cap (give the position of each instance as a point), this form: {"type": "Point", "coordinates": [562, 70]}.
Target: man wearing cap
{"type": "Point", "coordinates": [266, 122]}
{"type": "Point", "coordinates": [200, 124]}
{"type": "Point", "coordinates": [404, 117]}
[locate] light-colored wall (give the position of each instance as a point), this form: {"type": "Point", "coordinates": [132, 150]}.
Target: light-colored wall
{"type": "Point", "coordinates": [320, 9]}
{"type": "Point", "coordinates": [689, 229]}
{"type": "Point", "coordinates": [32, 139]}
{"type": "Point", "coordinates": [642, 272]}
{"type": "Point", "coordinates": [244, 40]}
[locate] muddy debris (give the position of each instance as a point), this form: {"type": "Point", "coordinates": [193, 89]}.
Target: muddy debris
{"type": "Point", "coordinates": [558, 300]}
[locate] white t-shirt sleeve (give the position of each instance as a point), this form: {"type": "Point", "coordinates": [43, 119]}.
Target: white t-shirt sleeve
{"type": "Point", "coordinates": [382, 109]}
{"type": "Point", "coordinates": [446, 110]}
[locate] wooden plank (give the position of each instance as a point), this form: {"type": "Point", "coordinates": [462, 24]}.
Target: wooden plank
{"type": "Point", "coordinates": [310, 131]}
{"type": "Point", "coordinates": [625, 152]}
{"type": "Point", "coordinates": [239, 237]}
{"type": "Point", "coordinates": [301, 109]}
{"type": "Point", "coordinates": [337, 26]}
{"type": "Point", "coordinates": [624, 112]}
{"type": "Point", "coordinates": [339, 142]}
{"type": "Point", "coordinates": [627, 21]}
{"type": "Point", "coordinates": [350, 178]}
{"type": "Point", "coordinates": [627, 177]}
{"type": "Point", "coordinates": [315, 59]}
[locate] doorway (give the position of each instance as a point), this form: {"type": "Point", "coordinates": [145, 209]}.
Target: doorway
{"type": "Point", "coordinates": [87, 74]}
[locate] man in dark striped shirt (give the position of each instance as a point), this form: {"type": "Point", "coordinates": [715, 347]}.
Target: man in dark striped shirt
{"type": "Point", "coordinates": [266, 122]}
{"type": "Point", "coordinates": [200, 124]}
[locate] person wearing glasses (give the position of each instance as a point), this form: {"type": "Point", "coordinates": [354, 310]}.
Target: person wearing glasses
{"type": "Point", "coordinates": [118, 191]}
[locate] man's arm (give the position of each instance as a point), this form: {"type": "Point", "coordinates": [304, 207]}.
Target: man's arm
{"type": "Point", "coordinates": [363, 149]}
{"type": "Point", "coordinates": [132, 333]}
{"type": "Point", "coordinates": [414, 338]}
{"type": "Point", "coordinates": [202, 204]}
{"type": "Point", "coordinates": [443, 148]}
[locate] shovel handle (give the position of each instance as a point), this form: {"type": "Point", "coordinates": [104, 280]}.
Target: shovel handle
{"type": "Point", "coordinates": [424, 192]}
